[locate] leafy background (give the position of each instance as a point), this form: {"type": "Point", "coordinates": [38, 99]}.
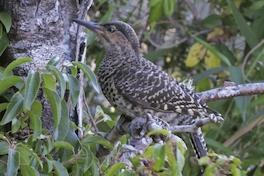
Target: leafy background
{"type": "Point", "coordinates": [209, 41]}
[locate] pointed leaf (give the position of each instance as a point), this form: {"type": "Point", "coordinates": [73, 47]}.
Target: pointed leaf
{"type": "Point", "coordinates": [49, 81]}
{"type": "Point", "coordinates": [14, 64]}
{"type": "Point", "coordinates": [242, 24]}
{"type": "Point", "coordinates": [214, 51]}
{"type": "Point", "coordinates": [59, 78]}
{"type": "Point", "coordinates": [114, 169]}
{"type": "Point", "coordinates": [98, 140]}
{"type": "Point", "coordinates": [54, 61]}
{"type": "Point", "coordinates": [64, 124]}
{"type": "Point", "coordinates": [13, 162]}
{"type": "Point", "coordinates": [6, 20]}
{"type": "Point", "coordinates": [28, 170]}
{"type": "Point", "coordinates": [9, 82]}
{"type": "Point", "coordinates": [55, 103]}
{"type": "Point", "coordinates": [4, 147]}
{"type": "Point", "coordinates": [89, 74]}
{"type": "Point", "coordinates": [4, 42]}
{"type": "Point", "coordinates": [60, 170]}
{"type": "Point", "coordinates": [35, 124]}
{"type": "Point", "coordinates": [63, 144]}
{"type": "Point", "coordinates": [74, 89]}
{"type": "Point", "coordinates": [31, 89]}
{"type": "Point", "coordinates": [13, 108]}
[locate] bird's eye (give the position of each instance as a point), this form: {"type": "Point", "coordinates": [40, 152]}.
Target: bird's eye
{"type": "Point", "coordinates": [110, 29]}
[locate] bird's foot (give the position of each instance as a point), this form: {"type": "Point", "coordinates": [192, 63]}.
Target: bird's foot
{"type": "Point", "coordinates": [216, 119]}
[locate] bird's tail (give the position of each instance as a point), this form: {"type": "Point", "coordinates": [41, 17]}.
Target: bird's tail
{"type": "Point", "coordinates": [198, 143]}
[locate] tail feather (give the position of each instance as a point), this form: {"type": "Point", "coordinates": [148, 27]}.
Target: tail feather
{"type": "Point", "coordinates": [198, 143]}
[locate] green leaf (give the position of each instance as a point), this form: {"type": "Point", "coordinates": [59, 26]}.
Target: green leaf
{"type": "Point", "coordinates": [218, 145]}
{"type": "Point", "coordinates": [242, 24]}
{"type": "Point", "coordinates": [60, 78]}
{"type": "Point", "coordinates": [114, 169]}
{"type": "Point", "coordinates": [212, 21]}
{"type": "Point", "coordinates": [13, 162]}
{"type": "Point", "coordinates": [54, 61]}
{"type": "Point", "coordinates": [28, 170]}
{"type": "Point", "coordinates": [74, 89]}
{"type": "Point", "coordinates": [156, 10]}
{"type": "Point", "coordinates": [4, 147]}
{"type": "Point", "coordinates": [15, 63]}
{"type": "Point", "coordinates": [15, 125]}
{"type": "Point", "coordinates": [49, 165]}
{"type": "Point", "coordinates": [89, 158]}
{"type": "Point", "coordinates": [60, 170]}
{"type": "Point", "coordinates": [55, 103]}
{"type": "Point", "coordinates": [204, 160]}
{"type": "Point", "coordinates": [3, 106]}
{"type": "Point", "coordinates": [37, 108]}
{"type": "Point", "coordinates": [98, 140]}
{"type": "Point", "coordinates": [24, 155]}
{"type": "Point", "coordinates": [35, 124]}
{"type": "Point", "coordinates": [4, 42]}
{"type": "Point", "coordinates": [168, 6]}
{"type": "Point", "coordinates": [13, 108]}
{"type": "Point", "coordinates": [180, 160]}
{"type": "Point", "coordinates": [6, 20]}
{"type": "Point", "coordinates": [31, 89]}
{"type": "Point", "coordinates": [158, 156]}
{"type": "Point", "coordinates": [49, 81]}
{"type": "Point", "coordinates": [9, 82]}
{"type": "Point", "coordinates": [236, 76]}
{"type": "Point", "coordinates": [63, 144]}
{"type": "Point", "coordinates": [72, 138]}
{"type": "Point", "coordinates": [161, 131]}
{"type": "Point", "coordinates": [64, 124]}
{"type": "Point", "coordinates": [89, 74]}
{"type": "Point", "coordinates": [214, 51]}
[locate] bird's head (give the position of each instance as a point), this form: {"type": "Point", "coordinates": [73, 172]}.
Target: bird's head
{"type": "Point", "coordinates": [113, 34]}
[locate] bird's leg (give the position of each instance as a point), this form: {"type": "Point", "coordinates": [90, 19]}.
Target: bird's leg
{"type": "Point", "coordinates": [113, 136]}
{"type": "Point", "coordinates": [215, 119]}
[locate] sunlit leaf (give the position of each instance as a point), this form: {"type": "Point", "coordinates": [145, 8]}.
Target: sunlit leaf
{"type": "Point", "coordinates": [196, 53]}
{"type": "Point", "coordinates": [211, 60]}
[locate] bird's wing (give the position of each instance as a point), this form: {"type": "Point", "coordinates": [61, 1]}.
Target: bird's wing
{"type": "Point", "coordinates": [152, 88]}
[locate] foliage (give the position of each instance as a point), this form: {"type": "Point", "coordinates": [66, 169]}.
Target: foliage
{"type": "Point", "coordinates": [28, 149]}
{"type": "Point", "coordinates": [5, 26]}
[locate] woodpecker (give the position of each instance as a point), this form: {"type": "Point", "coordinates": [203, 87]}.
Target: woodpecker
{"type": "Point", "coordinates": [138, 88]}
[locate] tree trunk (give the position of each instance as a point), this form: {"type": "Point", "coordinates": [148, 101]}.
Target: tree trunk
{"type": "Point", "coordinates": [41, 29]}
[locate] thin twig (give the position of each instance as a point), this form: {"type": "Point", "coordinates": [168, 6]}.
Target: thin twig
{"type": "Point", "coordinates": [90, 115]}
{"type": "Point", "coordinates": [247, 56]}
{"type": "Point", "coordinates": [80, 55]}
{"type": "Point", "coordinates": [193, 10]}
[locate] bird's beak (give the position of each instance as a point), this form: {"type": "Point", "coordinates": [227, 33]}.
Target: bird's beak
{"type": "Point", "coordinates": [95, 27]}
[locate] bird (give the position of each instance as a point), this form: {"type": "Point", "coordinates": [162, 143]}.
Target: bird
{"type": "Point", "coordinates": [138, 88]}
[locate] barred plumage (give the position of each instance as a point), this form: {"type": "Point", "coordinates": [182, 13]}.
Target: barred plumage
{"type": "Point", "coordinates": [136, 86]}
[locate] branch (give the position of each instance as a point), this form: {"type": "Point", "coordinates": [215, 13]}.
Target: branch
{"type": "Point", "coordinates": [80, 55]}
{"type": "Point", "coordinates": [232, 90]}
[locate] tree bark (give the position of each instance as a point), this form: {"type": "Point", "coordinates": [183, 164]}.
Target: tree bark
{"type": "Point", "coordinates": [41, 29]}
